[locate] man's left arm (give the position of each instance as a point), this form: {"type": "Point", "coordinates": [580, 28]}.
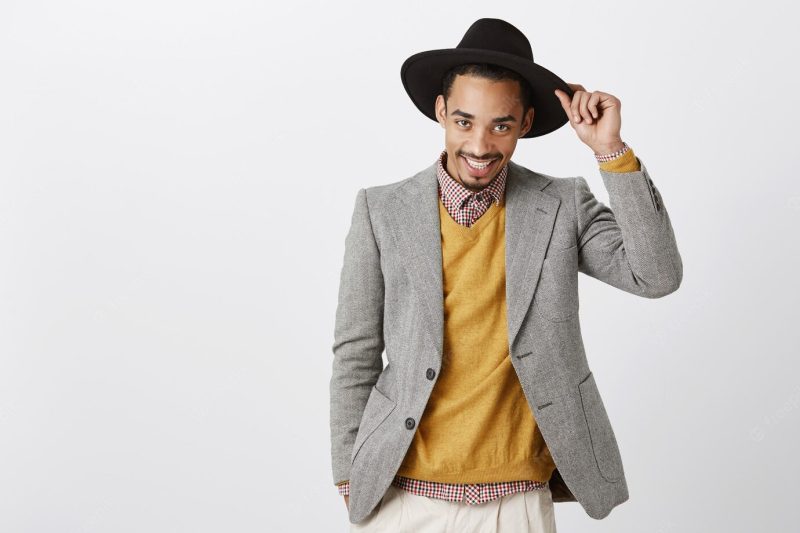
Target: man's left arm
{"type": "Point", "coordinates": [630, 245]}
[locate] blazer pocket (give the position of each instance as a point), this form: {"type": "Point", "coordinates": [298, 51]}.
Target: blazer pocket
{"type": "Point", "coordinates": [603, 442]}
{"type": "Point", "coordinates": [556, 297]}
{"type": "Point", "coordinates": [378, 408]}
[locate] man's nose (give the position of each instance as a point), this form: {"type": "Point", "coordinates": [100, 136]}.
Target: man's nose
{"type": "Point", "coordinates": [480, 144]}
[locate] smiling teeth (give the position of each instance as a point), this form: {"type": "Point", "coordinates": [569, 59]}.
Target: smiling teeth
{"type": "Point", "coordinates": [478, 166]}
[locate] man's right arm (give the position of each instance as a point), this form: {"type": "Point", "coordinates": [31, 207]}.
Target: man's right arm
{"type": "Point", "coordinates": [358, 337]}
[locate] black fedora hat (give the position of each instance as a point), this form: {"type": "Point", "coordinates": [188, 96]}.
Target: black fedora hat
{"type": "Point", "coordinates": [494, 41]}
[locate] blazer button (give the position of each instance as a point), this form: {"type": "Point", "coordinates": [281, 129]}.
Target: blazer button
{"type": "Point", "coordinates": [410, 423]}
{"type": "Point", "coordinates": [430, 373]}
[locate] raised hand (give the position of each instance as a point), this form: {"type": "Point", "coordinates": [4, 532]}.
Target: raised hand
{"type": "Point", "coordinates": [595, 117]}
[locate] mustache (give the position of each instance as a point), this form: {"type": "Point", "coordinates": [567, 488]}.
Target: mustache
{"type": "Point", "coordinates": [480, 158]}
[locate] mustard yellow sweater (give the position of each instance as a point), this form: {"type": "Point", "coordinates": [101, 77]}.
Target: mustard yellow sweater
{"type": "Point", "coordinates": [477, 426]}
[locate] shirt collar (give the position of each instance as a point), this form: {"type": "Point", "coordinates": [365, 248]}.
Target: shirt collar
{"type": "Point", "coordinates": [456, 194]}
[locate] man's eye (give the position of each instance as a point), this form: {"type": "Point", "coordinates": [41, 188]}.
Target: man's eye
{"type": "Point", "coordinates": [503, 126]}
{"type": "Point", "coordinates": [460, 121]}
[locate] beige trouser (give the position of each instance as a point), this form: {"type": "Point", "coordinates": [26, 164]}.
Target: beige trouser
{"type": "Point", "coordinates": [400, 511]}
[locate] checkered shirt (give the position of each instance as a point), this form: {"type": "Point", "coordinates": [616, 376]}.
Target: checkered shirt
{"type": "Point", "coordinates": [465, 207]}
{"type": "Point", "coordinates": [469, 493]}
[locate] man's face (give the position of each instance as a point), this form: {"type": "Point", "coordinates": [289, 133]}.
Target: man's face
{"type": "Point", "coordinates": [482, 121]}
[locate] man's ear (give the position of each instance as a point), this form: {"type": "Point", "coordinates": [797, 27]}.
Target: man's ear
{"type": "Point", "coordinates": [527, 122]}
{"type": "Point", "coordinates": [441, 110]}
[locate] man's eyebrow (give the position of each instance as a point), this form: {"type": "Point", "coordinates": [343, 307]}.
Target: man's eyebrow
{"type": "Point", "coordinates": [507, 118]}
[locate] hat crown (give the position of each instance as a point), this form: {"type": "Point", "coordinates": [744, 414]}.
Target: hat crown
{"type": "Point", "coordinates": [497, 35]}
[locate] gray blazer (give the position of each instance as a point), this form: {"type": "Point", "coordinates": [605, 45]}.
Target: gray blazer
{"type": "Point", "coordinates": [390, 297]}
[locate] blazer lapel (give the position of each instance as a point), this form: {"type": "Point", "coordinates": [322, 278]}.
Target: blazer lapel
{"type": "Point", "coordinates": [418, 232]}
{"type": "Point", "coordinates": [530, 214]}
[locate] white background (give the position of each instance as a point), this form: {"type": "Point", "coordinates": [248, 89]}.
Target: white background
{"type": "Point", "coordinates": [177, 180]}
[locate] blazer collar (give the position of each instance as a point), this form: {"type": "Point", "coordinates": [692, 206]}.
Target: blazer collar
{"type": "Point", "coordinates": [529, 218]}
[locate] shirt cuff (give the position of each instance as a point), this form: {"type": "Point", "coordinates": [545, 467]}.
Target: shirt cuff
{"type": "Point", "coordinates": [344, 488]}
{"type": "Point", "coordinates": [627, 162]}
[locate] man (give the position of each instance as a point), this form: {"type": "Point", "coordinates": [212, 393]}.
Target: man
{"type": "Point", "coordinates": [466, 274]}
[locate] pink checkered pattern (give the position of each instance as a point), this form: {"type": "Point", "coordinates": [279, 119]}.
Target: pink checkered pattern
{"type": "Point", "coordinates": [602, 158]}
{"type": "Point", "coordinates": [465, 207]}
{"type": "Point", "coordinates": [469, 493]}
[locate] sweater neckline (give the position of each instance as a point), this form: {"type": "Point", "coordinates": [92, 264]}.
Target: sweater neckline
{"type": "Point", "coordinates": [472, 232]}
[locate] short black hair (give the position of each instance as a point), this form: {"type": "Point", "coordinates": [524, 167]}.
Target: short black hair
{"type": "Point", "coordinates": [492, 72]}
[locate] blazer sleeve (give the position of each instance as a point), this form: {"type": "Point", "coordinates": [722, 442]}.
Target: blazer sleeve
{"type": "Point", "coordinates": [358, 336]}
{"type": "Point", "coordinates": [630, 245]}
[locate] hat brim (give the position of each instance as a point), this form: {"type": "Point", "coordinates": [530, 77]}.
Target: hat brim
{"type": "Point", "coordinates": [422, 75]}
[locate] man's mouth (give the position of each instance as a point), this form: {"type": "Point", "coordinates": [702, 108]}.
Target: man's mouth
{"type": "Point", "coordinates": [479, 168]}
